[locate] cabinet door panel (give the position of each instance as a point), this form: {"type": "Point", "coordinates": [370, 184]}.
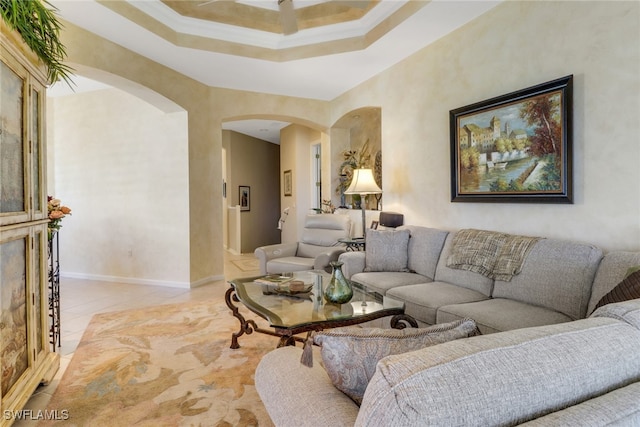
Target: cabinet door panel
{"type": "Point", "coordinates": [12, 145]}
{"type": "Point", "coordinates": [14, 359]}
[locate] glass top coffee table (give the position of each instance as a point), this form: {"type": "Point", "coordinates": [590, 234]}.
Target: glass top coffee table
{"type": "Point", "coordinates": [290, 313]}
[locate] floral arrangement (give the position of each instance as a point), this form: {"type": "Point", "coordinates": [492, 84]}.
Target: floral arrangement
{"type": "Point", "coordinates": [56, 211]}
{"type": "Point", "coordinates": [327, 206]}
{"type": "Point", "coordinates": [353, 159]}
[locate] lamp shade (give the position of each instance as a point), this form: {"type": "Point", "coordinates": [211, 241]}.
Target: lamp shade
{"type": "Point", "coordinates": [363, 183]}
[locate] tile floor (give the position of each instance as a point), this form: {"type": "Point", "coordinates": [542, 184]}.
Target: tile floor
{"type": "Point", "coordinates": [81, 299]}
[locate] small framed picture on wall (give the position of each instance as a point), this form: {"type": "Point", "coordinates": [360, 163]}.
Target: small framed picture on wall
{"type": "Point", "coordinates": [244, 196]}
{"type": "Point", "coordinates": [288, 183]}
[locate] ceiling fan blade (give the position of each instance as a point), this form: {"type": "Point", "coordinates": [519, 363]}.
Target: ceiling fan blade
{"type": "Point", "coordinates": [287, 17]}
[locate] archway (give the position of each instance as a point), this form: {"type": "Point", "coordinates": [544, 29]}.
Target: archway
{"type": "Point", "coordinates": [356, 142]}
{"type": "Point", "coordinates": [269, 197]}
{"type": "Point", "coordinates": [117, 156]}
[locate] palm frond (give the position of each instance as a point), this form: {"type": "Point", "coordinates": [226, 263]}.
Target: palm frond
{"type": "Point", "coordinates": [38, 25]}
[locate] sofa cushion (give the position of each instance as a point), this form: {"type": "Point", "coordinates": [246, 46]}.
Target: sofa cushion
{"type": "Point", "coordinates": [626, 290]}
{"type": "Point", "coordinates": [350, 354]}
{"type": "Point", "coordinates": [387, 250]}
{"type": "Point", "coordinates": [612, 270]}
{"type": "Point", "coordinates": [424, 249]}
{"type": "Point", "coordinates": [497, 315]}
{"type": "Point", "coordinates": [306, 250]}
{"type": "Point", "coordinates": [423, 300]}
{"type": "Point", "coordinates": [505, 378]}
{"type": "Point", "coordinates": [289, 264]}
{"type": "Point", "coordinates": [381, 282]}
{"type": "Point", "coordinates": [286, 387]}
{"type": "Point", "coordinates": [466, 279]}
{"type": "Point", "coordinates": [325, 229]}
{"type": "Point", "coordinates": [619, 407]}
{"type": "Point", "coordinates": [556, 274]}
{"type": "Point", "coordinates": [627, 311]}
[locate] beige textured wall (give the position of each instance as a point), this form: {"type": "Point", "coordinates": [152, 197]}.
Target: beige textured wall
{"type": "Point", "coordinates": [296, 142]}
{"type": "Point", "coordinates": [206, 109]}
{"type": "Point", "coordinates": [127, 184]}
{"type": "Point", "coordinates": [514, 46]}
{"type": "Point", "coordinates": [205, 239]}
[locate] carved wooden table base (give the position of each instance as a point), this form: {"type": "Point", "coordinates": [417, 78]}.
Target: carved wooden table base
{"type": "Point", "coordinates": [287, 336]}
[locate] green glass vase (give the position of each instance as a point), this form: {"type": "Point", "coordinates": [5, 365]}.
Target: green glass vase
{"type": "Point", "coordinates": [339, 290]}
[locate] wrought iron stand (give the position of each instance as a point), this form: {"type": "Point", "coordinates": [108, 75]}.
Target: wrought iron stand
{"type": "Point", "coordinates": [54, 290]}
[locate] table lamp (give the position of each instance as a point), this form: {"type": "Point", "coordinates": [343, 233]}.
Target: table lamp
{"type": "Point", "coordinates": [363, 184]}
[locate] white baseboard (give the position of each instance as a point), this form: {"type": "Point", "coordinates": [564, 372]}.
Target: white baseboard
{"type": "Point", "coordinates": [134, 281]}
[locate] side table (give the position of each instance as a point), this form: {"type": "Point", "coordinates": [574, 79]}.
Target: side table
{"type": "Point", "coordinates": [354, 244]}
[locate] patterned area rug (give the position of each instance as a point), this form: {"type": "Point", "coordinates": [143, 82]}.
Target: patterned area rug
{"type": "Point", "coordinates": [168, 365]}
{"type": "Point", "coordinates": [247, 264]}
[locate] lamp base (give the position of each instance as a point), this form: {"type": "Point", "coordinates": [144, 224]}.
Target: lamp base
{"type": "Point", "coordinates": [364, 218]}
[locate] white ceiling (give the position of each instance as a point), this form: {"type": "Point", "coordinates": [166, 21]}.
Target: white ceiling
{"type": "Point", "coordinates": [267, 130]}
{"type": "Point", "coordinates": [322, 77]}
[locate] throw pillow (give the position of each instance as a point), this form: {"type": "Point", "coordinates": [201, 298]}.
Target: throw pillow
{"type": "Point", "coordinates": [350, 354]}
{"type": "Point", "coordinates": [387, 250]}
{"type": "Point", "coordinates": [628, 289]}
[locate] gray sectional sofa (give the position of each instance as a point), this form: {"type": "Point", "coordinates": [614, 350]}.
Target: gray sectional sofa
{"type": "Point", "coordinates": [559, 281]}
{"type": "Point", "coordinates": [546, 356]}
{"type": "Point", "coordinates": [580, 373]}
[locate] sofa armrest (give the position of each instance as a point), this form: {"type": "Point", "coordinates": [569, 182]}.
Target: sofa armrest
{"type": "Point", "coordinates": [322, 261]}
{"type": "Point", "coordinates": [266, 253]}
{"type": "Point", "coordinates": [503, 378]}
{"type": "Point", "coordinates": [296, 395]}
{"type": "Point", "coordinates": [353, 263]}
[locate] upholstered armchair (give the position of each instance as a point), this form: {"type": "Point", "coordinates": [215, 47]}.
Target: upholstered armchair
{"type": "Point", "coordinates": [318, 246]}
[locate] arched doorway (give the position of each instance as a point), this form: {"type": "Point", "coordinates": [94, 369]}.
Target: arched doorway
{"type": "Point", "coordinates": [297, 143]}
{"type": "Point", "coordinates": [117, 154]}
{"type": "Point", "coordinates": [356, 142]}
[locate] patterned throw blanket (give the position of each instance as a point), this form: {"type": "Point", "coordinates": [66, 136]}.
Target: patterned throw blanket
{"type": "Point", "coordinates": [496, 255]}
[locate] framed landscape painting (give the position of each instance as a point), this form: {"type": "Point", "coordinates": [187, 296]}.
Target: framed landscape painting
{"type": "Point", "coordinates": [514, 148]}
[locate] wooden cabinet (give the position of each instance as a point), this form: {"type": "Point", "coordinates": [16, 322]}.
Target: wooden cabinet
{"type": "Point", "coordinates": [26, 359]}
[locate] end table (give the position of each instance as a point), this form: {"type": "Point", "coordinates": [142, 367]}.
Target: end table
{"type": "Point", "coordinates": [354, 244]}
